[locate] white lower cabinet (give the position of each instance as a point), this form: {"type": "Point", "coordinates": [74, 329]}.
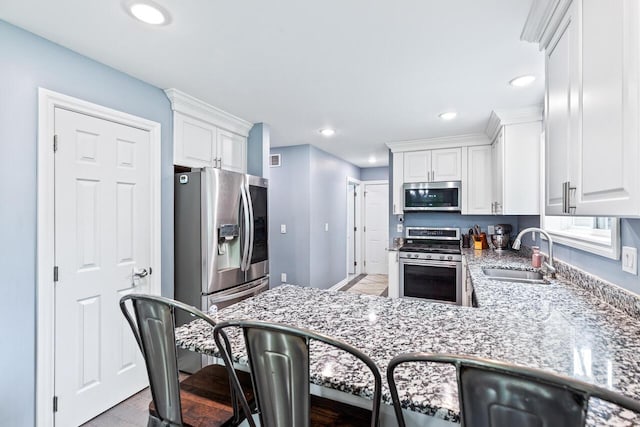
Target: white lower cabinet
{"type": "Point", "coordinates": [394, 274]}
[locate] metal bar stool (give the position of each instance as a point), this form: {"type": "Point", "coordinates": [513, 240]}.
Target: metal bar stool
{"type": "Point", "coordinates": [497, 394]}
{"type": "Point", "coordinates": [279, 363]}
{"type": "Point", "coordinates": [206, 398]}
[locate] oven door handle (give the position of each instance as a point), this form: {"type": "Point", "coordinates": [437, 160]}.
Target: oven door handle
{"type": "Point", "coordinates": [430, 263]}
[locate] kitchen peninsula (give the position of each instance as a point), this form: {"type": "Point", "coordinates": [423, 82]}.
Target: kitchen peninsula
{"type": "Point", "coordinates": [559, 326]}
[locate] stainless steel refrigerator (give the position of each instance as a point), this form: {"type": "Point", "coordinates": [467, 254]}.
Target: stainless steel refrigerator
{"type": "Point", "coordinates": [221, 241]}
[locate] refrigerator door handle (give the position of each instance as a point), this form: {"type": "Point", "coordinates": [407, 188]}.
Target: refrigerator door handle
{"type": "Point", "coordinates": [244, 291]}
{"type": "Point", "coordinates": [251, 226]}
{"type": "Point", "coordinates": [244, 264]}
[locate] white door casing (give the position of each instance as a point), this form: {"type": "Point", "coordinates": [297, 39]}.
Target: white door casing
{"type": "Point", "coordinates": [351, 223]}
{"type": "Point", "coordinates": [102, 231]}
{"type": "Point", "coordinates": [376, 212]}
{"type": "Point", "coordinates": [107, 214]}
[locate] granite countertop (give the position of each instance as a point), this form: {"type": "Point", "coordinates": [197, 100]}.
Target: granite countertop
{"type": "Point", "coordinates": [557, 326]}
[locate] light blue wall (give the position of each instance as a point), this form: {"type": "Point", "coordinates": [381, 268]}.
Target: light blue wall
{"type": "Point", "coordinates": [329, 206]}
{"type": "Point", "coordinates": [374, 174]}
{"type": "Point", "coordinates": [27, 62]}
{"type": "Point", "coordinates": [258, 145]}
{"type": "Point", "coordinates": [289, 204]}
{"type": "Point", "coordinates": [306, 192]}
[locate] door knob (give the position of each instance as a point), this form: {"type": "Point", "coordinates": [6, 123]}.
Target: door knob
{"type": "Point", "coordinates": [140, 274]}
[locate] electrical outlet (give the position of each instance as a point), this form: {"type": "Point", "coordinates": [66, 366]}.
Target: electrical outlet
{"type": "Point", "coordinates": [630, 260]}
{"type": "Point", "coordinates": [491, 229]}
{"type": "Point", "coordinates": [283, 228]}
{"type": "Point", "coordinates": [326, 226]}
{"type": "Point", "coordinates": [283, 277]}
{"type": "Point", "coordinates": [399, 228]}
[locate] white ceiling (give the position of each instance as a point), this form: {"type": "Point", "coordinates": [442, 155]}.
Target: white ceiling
{"type": "Point", "coordinates": [376, 71]}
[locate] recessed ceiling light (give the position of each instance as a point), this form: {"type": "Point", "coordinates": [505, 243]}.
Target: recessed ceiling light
{"type": "Point", "coordinates": [372, 159]}
{"type": "Point", "coordinates": [449, 115]}
{"type": "Point", "coordinates": [148, 13]}
{"type": "Point", "coordinates": [522, 81]}
{"type": "Point", "coordinates": [327, 132]}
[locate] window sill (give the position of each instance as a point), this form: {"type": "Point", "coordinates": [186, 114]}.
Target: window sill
{"type": "Point", "coordinates": [583, 243]}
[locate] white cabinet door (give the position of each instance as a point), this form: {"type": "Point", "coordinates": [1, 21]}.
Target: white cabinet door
{"type": "Point", "coordinates": [561, 79]}
{"type": "Point", "coordinates": [417, 166]}
{"type": "Point", "coordinates": [478, 185]}
{"type": "Point", "coordinates": [195, 142]}
{"type": "Point", "coordinates": [521, 169]}
{"type": "Point", "coordinates": [231, 151]}
{"type": "Point", "coordinates": [606, 176]}
{"type": "Point", "coordinates": [446, 164]}
{"type": "Point", "coordinates": [398, 182]}
{"type": "Point", "coordinates": [498, 176]}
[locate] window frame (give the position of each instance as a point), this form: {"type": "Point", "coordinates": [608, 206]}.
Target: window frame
{"type": "Point", "coordinates": [584, 242]}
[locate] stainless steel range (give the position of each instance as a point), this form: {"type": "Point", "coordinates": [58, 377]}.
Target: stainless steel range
{"type": "Point", "coordinates": [431, 265]}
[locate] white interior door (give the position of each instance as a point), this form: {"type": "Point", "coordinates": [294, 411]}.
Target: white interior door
{"type": "Point", "coordinates": [351, 224]}
{"type": "Point", "coordinates": [102, 236]}
{"type": "Point", "coordinates": [376, 214]}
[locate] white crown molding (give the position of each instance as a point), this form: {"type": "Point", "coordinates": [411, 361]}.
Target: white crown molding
{"type": "Point", "coordinates": [500, 118]}
{"type": "Point", "coordinates": [436, 143]}
{"type": "Point", "coordinates": [543, 20]}
{"type": "Point", "coordinates": [191, 106]}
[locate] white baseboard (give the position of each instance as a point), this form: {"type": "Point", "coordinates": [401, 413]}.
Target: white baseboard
{"type": "Point", "coordinates": [339, 285]}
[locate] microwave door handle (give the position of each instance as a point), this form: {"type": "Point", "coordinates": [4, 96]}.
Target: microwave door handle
{"type": "Point", "coordinates": [245, 210]}
{"type": "Point", "coordinates": [251, 226]}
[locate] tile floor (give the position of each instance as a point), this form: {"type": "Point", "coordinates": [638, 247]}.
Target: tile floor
{"type": "Point", "coordinates": [371, 284]}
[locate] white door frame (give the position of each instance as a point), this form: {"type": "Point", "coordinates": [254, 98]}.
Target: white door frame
{"type": "Point", "coordinates": [364, 215]}
{"type": "Point", "coordinates": [357, 236]}
{"type": "Point", "coordinates": [45, 308]}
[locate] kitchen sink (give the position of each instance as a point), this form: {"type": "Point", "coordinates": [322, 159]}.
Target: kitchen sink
{"type": "Point", "coordinates": [519, 276]}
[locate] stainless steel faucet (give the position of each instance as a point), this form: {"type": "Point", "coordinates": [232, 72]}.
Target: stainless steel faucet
{"type": "Point", "coordinates": [549, 265]}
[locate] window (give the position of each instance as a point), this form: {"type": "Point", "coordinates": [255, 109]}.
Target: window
{"type": "Point", "coordinates": [598, 235]}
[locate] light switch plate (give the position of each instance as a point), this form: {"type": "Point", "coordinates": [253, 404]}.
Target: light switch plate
{"type": "Point", "coordinates": [630, 260]}
{"type": "Point", "coordinates": [399, 228]}
{"type": "Point", "coordinates": [283, 228]}
{"type": "Point", "coordinates": [491, 230]}
{"type": "Point", "coordinates": [283, 277]}
{"type": "Point", "coordinates": [326, 226]}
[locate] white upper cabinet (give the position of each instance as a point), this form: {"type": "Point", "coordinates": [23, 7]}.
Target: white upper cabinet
{"type": "Point", "coordinates": [232, 151]}
{"type": "Point", "coordinates": [417, 166]}
{"type": "Point", "coordinates": [592, 105]}
{"type": "Point", "coordinates": [433, 165]}
{"type": "Point", "coordinates": [515, 161]}
{"type": "Point", "coordinates": [398, 182]}
{"type": "Point", "coordinates": [477, 183]}
{"type": "Point", "coordinates": [446, 164]}
{"type": "Point", "coordinates": [204, 136]}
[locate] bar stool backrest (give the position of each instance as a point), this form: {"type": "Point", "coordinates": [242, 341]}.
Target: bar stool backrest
{"type": "Point", "coordinates": [496, 394]}
{"type": "Point", "coordinates": [279, 361]}
{"type": "Point", "coordinates": [153, 325]}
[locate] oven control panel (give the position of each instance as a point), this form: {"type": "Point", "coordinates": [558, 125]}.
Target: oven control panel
{"type": "Point", "coordinates": [434, 257]}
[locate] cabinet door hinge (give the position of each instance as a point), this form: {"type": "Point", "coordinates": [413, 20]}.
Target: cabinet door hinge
{"type": "Point", "coordinates": [55, 273]}
{"type": "Point", "coordinates": [55, 143]}
{"type": "Point", "coordinates": [55, 403]}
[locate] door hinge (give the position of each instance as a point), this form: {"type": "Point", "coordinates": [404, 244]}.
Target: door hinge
{"type": "Point", "coordinates": [355, 228]}
{"type": "Point", "coordinates": [364, 228]}
{"type": "Point", "coordinates": [355, 263]}
{"type": "Point", "coordinates": [55, 273]}
{"type": "Point", "coordinates": [150, 271]}
{"type": "Point", "coordinates": [55, 403]}
{"type": "Point", "coordinates": [55, 143]}
{"type": "Point", "coordinates": [365, 263]}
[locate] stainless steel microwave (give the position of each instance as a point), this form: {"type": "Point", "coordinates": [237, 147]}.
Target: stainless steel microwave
{"type": "Point", "coordinates": [433, 196]}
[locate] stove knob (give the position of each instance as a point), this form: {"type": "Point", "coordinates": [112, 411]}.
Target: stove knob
{"type": "Point", "coordinates": [441, 257]}
{"type": "Point", "coordinates": [449, 257]}
{"type": "Point", "coordinates": [428, 256]}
